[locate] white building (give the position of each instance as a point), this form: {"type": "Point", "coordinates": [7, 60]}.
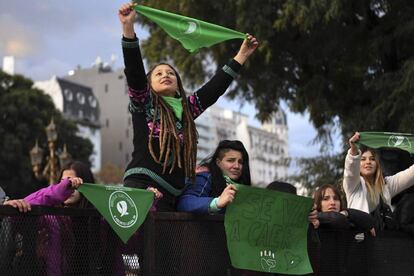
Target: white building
{"type": "Point", "coordinates": [8, 65]}
{"type": "Point", "coordinates": [267, 145]}
{"type": "Point", "coordinates": [77, 103]}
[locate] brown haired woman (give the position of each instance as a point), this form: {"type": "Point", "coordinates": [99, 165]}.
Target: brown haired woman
{"type": "Point", "coordinates": [165, 137]}
{"type": "Point", "coordinates": [332, 214]}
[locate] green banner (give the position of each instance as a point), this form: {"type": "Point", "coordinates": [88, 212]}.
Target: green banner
{"type": "Point", "coordinates": [125, 209]}
{"type": "Point", "coordinates": [267, 231]}
{"type": "Point", "coordinates": [375, 140]}
{"type": "Point", "coordinates": [192, 33]}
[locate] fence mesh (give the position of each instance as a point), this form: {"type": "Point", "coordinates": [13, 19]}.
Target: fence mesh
{"type": "Point", "coordinates": [56, 241]}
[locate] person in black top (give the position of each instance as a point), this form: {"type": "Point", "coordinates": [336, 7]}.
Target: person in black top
{"type": "Point", "coordinates": [331, 213]}
{"type": "Point", "coordinates": [165, 136]}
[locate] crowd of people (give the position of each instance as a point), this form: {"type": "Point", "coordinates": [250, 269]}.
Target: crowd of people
{"type": "Point", "coordinates": [165, 150]}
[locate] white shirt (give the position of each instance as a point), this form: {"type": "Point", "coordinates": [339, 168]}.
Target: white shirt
{"type": "Point", "coordinates": [356, 190]}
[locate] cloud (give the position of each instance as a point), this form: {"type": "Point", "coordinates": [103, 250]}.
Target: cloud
{"type": "Point", "coordinates": [40, 70]}
{"type": "Point", "coordinates": [17, 39]}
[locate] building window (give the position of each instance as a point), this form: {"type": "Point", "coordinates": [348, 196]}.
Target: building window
{"type": "Point", "coordinates": [80, 114]}
{"type": "Point", "coordinates": [68, 95]}
{"type": "Point", "coordinates": [92, 101]}
{"type": "Point", "coordinates": [106, 88]}
{"type": "Point", "coordinates": [80, 97]}
{"type": "Point", "coordinates": [107, 123]}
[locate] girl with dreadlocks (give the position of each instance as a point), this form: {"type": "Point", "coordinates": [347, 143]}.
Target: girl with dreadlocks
{"type": "Point", "coordinates": [165, 137]}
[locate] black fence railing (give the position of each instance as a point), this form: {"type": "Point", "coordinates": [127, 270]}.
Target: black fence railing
{"type": "Point", "coordinates": [56, 241]}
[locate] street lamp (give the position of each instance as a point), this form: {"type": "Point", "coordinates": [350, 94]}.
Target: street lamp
{"type": "Point", "coordinates": [51, 169]}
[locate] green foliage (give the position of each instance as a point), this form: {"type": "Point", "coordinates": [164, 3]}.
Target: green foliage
{"type": "Point", "coordinates": [24, 114]}
{"type": "Point", "coordinates": [318, 171]}
{"type": "Point", "coordinates": [349, 63]}
{"type": "Point", "coordinates": [345, 60]}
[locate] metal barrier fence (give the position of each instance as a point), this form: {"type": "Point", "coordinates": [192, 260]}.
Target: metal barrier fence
{"type": "Point", "coordinates": [63, 241]}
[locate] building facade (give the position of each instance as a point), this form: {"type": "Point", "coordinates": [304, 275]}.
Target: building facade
{"type": "Point", "coordinates": [267, 145]}
{"type": "Point", "coordinates": [79, 104]}
{"type": "Point", "coordinates": [110, 89]}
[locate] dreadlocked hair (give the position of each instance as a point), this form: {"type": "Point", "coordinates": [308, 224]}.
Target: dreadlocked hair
{"type": "Point", "coordinates": [173, 153]}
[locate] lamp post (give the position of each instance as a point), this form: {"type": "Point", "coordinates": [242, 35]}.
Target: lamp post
{"type": "Point", "coordinates": [51, 169]}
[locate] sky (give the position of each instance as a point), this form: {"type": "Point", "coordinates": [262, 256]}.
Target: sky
{"type": "Point", "coordinates": [51, 37]}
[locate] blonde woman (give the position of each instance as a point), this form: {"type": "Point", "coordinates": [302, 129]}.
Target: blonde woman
{"type": "Point", "coordinates": [364, 184]}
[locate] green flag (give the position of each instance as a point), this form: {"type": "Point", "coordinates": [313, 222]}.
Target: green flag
{"type": "Point", "coordinates": [125, 209]}
{"type": "Point", "coordinates": [192, 33]}
{"type": "Point", "coordinates": [403, 141]}
{"type": "Point", "coordinates": [267, 231]}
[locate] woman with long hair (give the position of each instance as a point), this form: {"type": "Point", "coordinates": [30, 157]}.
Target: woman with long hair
{"type": "Point", "coordinates": [365, 187]}
{"type": "Point", "coordinates": [331, 211]}
{"type": "Point", "coordinates": [213, 189]}
{"type": "Point", "coordinates": [165, 136]}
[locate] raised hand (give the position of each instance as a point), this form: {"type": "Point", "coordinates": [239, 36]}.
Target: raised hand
{"type": "Point", "coordinates": [157, 193]}
{"type": "Point", "coordinates": [227, 196]}
{"type": "Point", "coordinates": [247, 48]}
{"type": "Point", "coordinates": [127, 16]}
{"type": "Point", "coordinates": [76, 182]}
{"type": "Point", "coordinates": [352, 140]}
{"type": "Point", "coordinates": [313, 218]}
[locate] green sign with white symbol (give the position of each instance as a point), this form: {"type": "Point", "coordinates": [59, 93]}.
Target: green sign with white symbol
{"type": "Point", "coordinates": [125, 209]}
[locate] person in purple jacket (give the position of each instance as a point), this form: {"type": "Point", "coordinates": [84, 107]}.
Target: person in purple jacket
{"type": "Point", "coordinates": [62, 193]}
{"type": "Point", "coordinates": [50, 246]}
{"type": "Point", "coordinates": [55, 251]}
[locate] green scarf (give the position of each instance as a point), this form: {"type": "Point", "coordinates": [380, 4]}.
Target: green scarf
{"type": "Point", "coordinates": [192, 33]}
{"type": "Point", "coordinates": [375, 140]}
{"type": "Point", "coordinates": [176, 106]}
{"type": "Point", "coordinates": [125, 209]}
{"type": "Point", "coordinates": [230, 181]}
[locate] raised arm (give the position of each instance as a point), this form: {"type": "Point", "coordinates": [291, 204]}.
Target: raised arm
{"type": "Point", "coordinates": [54, 194]}
{"type": "Point", "coordinates": [218, 84]}
{"type": "Point", "coordinates": [400, 181]}
{"type": "Point", "coordinates": [134, 67]}
{"type": "Point", "coordinates": [352, 167]}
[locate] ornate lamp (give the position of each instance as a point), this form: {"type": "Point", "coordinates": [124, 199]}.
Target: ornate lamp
{"type": "Point", "coordinates": [64, 157]}
{"type": "Point", "coordinates": [36, 156]}
{"type": "Point", "coordinates": [51, 169]}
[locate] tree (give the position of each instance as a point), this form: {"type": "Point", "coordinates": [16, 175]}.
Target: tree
{"type": "Point", "coordinates": [319, 170]}
{"type": "Point", "coordinates": [24, 114]}
{"type": "Point", "coordinates": [350, 61]}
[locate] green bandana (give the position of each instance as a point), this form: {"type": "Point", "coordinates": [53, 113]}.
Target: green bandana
{"type": "Point", "coordinates": [375, 140]}
{"type": "Point", "coordinates": [267, 231]}
{"type": "Point", "coordinates": [125, 209]}
{"type": "Point", "coordinates": [230, 181]}
{"type": "Point", "coordinates": [192, 33]}
{"type": "Point", "coordinates": [176, 105]}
